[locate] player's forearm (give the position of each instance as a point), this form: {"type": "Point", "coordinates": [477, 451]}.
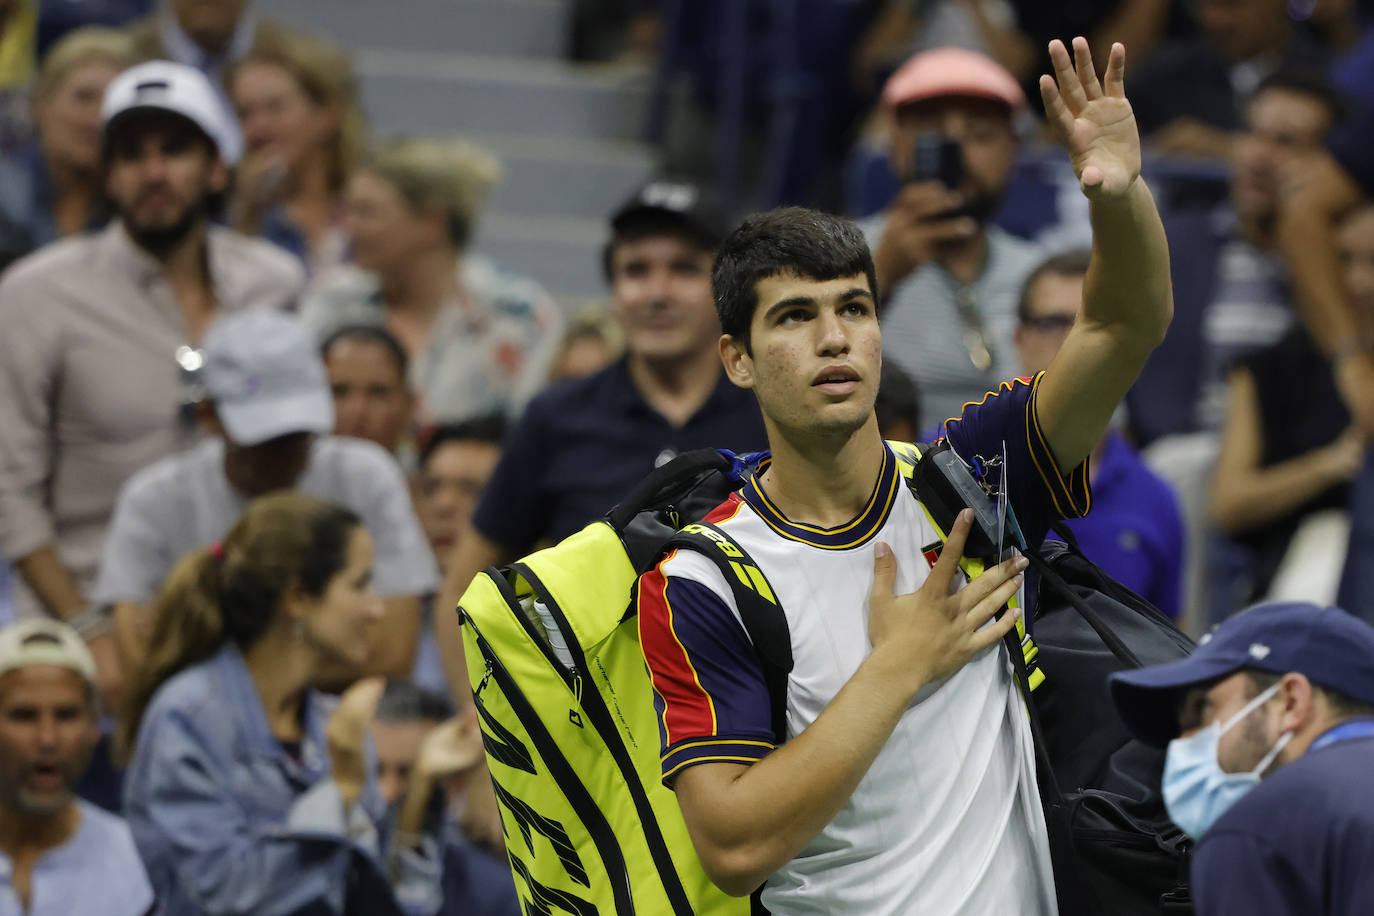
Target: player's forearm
{"type": "Point", "coordinates": [752, 825]}
{"type": "Point", "coordinates": [1128, 287]}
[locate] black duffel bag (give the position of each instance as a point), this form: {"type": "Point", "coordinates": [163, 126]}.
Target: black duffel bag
{"type": "Point", "coordinates": [1116, 852]}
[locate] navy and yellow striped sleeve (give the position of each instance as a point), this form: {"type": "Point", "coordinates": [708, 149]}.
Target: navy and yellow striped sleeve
{"type": "Point", "coordinates": [709, 690]}
{"type": "Point", "coordinates": [1039, 491]}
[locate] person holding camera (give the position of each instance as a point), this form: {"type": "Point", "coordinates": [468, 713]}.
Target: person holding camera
{"type": "Point", "coordinates": [906, 781]}
{"type": "Point", "coordinates": [949, 279]}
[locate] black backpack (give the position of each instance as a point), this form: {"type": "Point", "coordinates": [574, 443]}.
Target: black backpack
{"type": "Point", "coordinates": [1116, 851]}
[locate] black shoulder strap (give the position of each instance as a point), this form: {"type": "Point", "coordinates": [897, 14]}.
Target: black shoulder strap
{"type": "Point", "coordinates": [763, 617]}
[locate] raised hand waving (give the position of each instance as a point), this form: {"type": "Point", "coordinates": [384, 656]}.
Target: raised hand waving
{"type": "Point", "coordinates": [1094, 119]}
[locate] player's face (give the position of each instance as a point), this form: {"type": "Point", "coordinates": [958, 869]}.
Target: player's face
{"type": "Point", "coordinates": [661, 286]}
{"type": "Point", "coordinates": [817, 354]}
{"type": "Point", "coordinates": [47, 732]}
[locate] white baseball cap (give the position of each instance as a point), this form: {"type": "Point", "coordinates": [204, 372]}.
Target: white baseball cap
{"type": "Point", "coordinates": [161, 85]}
{"type": "Point", "coordinates": [264, 374]}
{"type": "Point", "coordinates": [45, 642]}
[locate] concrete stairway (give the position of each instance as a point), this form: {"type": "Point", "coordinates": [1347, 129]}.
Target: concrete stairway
{"type": "Point", "coordinates": [492, 71]}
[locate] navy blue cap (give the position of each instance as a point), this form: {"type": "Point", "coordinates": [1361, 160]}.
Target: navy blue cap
{"type": "Point", "coordinates": [1329, 646]}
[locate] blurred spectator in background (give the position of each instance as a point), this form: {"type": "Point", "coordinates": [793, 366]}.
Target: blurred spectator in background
{"type": "Point", "coordinates": [268, 407]}
{"type": "Point", "coordinates": [243, 794]}
{"type": "Point", "coordinates": [1289, 452]}
{"type": "Point", "coordinates": [424, 750]}
{"type": "Point", "coordinates": [898, 406]}
{"type": "Point", "coordinates": [1232, 294]}
{"type": "Point", "coordinates": [404, 717]}
{"type": "Point", "coordinates": [53, 187]}
{"type": "Point", "coordinates": [455, 465]}
{"type": "Point", "coordinates": [99, 334]}
{"type": "Point", "coordinates": [1191, 95]}
{"type": "Point", "coordinates": [18, 56]}
{"type": "Point", "coordinates": [1134, 531]}
{"type": "Point", "coordinates": [1016, 33]}
{"type": "Point", "coordinates": [367, 370]}
{"type": "Point", "coordinates": [582, 445]}
{"type": "Point", "coordinates": [480, 339]}
{"type": "Point", "coordinates": [208, 35]}
{"type": "Point", "coordinates": [58, 855]}
{"type": "Point", "coordinates": [591, 342]}
{"type": "Point", "coordinates": [55, 20]}
{"type": "Point", "coordinates": [948, 278]}
{"type": "Point", "coordinates": [303, 134]}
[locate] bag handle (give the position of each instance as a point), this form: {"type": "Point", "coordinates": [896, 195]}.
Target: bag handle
{"type": "Point", "coordinates": [666, 479]}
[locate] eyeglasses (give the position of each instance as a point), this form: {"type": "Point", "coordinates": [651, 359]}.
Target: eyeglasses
{"type": "Point", "coordinates": [1047, 324]}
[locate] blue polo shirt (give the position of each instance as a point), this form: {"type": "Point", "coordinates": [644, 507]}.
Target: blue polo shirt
{"type": "Point", "coordinates": [582, 445]}
{"type": "Point", "coordinates": [1301, 843]}
{"type": "Point", "coordinates": [1134, 531]}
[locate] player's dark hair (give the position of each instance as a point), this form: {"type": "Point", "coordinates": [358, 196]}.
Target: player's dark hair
{"type": "Point", "coordinates": [791, 240]}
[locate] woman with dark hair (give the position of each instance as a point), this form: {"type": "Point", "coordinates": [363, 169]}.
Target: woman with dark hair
{"type": "Point", "coordinates": [242, 795]}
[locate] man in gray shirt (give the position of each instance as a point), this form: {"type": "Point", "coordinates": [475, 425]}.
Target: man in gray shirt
{"type": "Point", "coordinates": [269, 402]}
{"type": "Point", "coordinates": [96, 331]}
{"type": "Point", "coordinates": [949, 278]}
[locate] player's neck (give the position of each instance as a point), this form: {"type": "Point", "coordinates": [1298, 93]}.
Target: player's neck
{"type": "Point", "coordinates": [821, 482]}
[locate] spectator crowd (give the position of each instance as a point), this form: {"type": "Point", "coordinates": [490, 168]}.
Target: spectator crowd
{"type": "Point", "coordinates": [266, 409]}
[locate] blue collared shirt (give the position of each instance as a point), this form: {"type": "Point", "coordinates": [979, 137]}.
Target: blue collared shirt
{"type": "Point", "coordinates": [96, 871]}
{"type": "Point", "coordinates": [227, 821]}
{"type": "Point", "coordinates": [1301, 843]}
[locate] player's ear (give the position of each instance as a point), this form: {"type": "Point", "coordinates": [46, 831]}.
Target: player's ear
{"type": "Point", "coordinates": [738, 361]}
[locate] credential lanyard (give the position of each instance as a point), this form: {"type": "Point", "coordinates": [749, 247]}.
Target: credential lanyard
{"type": "Point", "coordinates": [1347, 731]}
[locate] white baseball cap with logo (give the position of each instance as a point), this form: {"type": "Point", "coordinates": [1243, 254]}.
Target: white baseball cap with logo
{"type": "Point", "coordinates": [264, 374]}
{"type": "Point", "coordinates": [161, 85]}
{"type": "Point", "coordinates": [45, 642]}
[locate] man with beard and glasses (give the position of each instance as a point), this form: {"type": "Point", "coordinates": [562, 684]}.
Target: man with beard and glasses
{"type": "Point", "coordinates": [58, 855]}
{"type": "Point", "coordinates": [99, 337]}
{"type": "Point", "coordinates": [950, 279]}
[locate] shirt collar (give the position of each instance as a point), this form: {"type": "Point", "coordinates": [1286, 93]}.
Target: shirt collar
{"type": "Point", "coordinates": [857, 532]}
{"type": "Point", "coordinates": [183, 49]}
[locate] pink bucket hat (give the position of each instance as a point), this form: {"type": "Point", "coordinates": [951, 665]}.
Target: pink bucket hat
{"type": "Point", "coordinates": [951, 72]}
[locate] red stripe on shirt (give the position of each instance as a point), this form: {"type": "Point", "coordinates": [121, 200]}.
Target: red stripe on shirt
{"type": "Point", "coordinates": [688, 711]}
{"type": "Point", "coordinates": [726, 510]}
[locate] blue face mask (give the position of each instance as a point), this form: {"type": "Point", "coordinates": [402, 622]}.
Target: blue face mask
{"type": "Point", "coordinates": [1196, 789]}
